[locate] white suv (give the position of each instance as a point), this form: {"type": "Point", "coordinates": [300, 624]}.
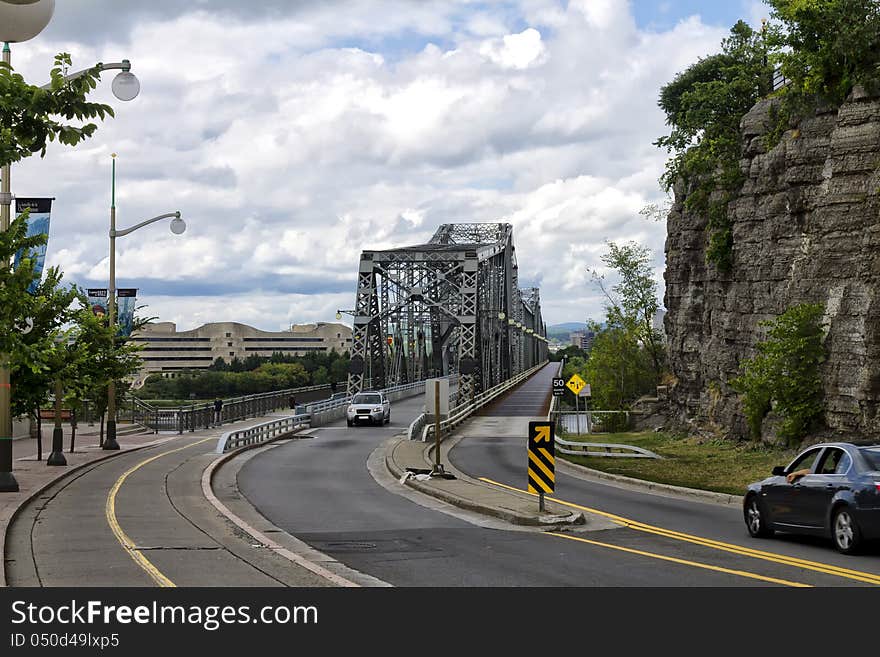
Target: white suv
{"type": "Point", "coordinates": [372, 407]}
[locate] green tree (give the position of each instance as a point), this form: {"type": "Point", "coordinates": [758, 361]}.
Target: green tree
{"type": "Point", "coordinates": [619, 368]}
{"type": "Point", "coordinates": [704, 106]}
{"type": "Point", "coordinates": [33, 380]}
{"type": "Point", "coordinates": [826, 47]}
{"type": "Point", "coordinates": [632, 303]}
{"type": "Point", "coordinates": [32, 117]}
{"type": "Point", "coordinates": [785, 373]}
{"type": "Point", "coordinates": [568, 353]}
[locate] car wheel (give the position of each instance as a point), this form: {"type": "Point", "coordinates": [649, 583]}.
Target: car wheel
{"type": "Point", "coordinates": [756, 519]}
{"type": "Point", "coordinates": [845, 532]}
{"type": "Point", "coordinates": [388, 418]}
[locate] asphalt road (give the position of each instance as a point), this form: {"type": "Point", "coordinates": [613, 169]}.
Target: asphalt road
{"type": "Point", "coordinates": [140, 519]}
{"type": "Point", "coordinates": [321, 491]}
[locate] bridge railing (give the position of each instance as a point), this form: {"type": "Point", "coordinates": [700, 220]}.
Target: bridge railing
{"type": "Point", "coordinates": [261, 432]}
{"type": "Point", "coordinates": [422, 430]}
{"type": "Point", "coordinates": [201, 415]}
{"type": "Point", "coordinates": [313, 415]}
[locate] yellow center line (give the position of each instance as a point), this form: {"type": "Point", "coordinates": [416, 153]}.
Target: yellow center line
{"type": "Point", "coordinates": [785, 560]}
{"type": "Point", "coordinates": [127, 544]}
{"type": "Point", "coordinates": [685, 562]}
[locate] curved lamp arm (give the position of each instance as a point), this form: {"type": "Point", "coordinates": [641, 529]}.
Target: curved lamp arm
{"type": "Point", "coordinates": [121, 233]}
{"type": "Point", "coordinates": [124, 65]}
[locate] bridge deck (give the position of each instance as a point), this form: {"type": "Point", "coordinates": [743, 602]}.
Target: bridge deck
{"type": "Point", "coordinates": [529, 399]}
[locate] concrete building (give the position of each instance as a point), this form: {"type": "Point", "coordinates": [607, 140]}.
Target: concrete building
{"type": "Point", "coordinates": [583, 339]}
{"type": "Point", "coordinates": [165, 349]}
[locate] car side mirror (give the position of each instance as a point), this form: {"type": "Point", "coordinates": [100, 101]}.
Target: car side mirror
{"type": "Point", "coordinates": [778, 471]}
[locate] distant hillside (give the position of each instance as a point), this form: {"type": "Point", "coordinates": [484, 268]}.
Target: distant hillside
{"type": "Point", "coordinates": [561, 332]}
{"type": "Point", "coordinates": [567, 326]}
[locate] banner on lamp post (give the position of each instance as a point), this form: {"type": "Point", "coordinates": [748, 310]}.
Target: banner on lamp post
{"type": "Point", "coordinates": [125, 302]}
{"type": "Point", "coordinates": [98, 301]}
{"type": "Point", "coordinates": [39, 213]}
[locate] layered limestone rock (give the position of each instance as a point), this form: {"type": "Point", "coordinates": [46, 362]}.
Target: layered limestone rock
{"type": "Point", "coordinates": [806, 228]}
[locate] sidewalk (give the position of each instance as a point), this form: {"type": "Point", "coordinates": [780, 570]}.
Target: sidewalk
{"type": "Point", "coordinates": [35, 476]}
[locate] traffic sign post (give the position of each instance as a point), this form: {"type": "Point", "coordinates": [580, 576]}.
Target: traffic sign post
{"type": "Point", "coordinates": [576, 384]}
{"type": "Point", "coordinates": [542, 459]}
{"type": "Point", "coordinates": [586, 394]}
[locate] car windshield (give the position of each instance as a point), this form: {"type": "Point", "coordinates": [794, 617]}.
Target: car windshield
{"type": "Point", "coordinates": [366, 399]}
{"type": "Point", "coordinates": [872, 454]}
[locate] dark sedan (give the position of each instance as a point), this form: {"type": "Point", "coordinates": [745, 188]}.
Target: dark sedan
{"type": "Point", "coordinates": [830, 490]}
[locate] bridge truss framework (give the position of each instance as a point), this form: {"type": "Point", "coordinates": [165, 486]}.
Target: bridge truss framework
{"type": "Point", "coordinates": [451, 306]}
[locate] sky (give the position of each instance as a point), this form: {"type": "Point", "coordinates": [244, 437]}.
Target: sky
{"type": "Point", "coordinates": [294, 135]}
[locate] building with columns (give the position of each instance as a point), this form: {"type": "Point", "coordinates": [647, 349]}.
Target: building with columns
{"type": "Point", "coordinates": [165, 349]}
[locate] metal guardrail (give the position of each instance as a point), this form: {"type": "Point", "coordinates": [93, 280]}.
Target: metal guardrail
{"type": "Point", "coordinates": [615, 450]}
{"type": "Point", "coordinates": [331, 404]}
{"type": "Point", "coordinates": [417, 427]}
{"type": "Point", "coordinates": [261, 432]}
{"type": "Point", "coordinates": [464, 410]}
{"type": "Point", "coordinates": [275, 428]}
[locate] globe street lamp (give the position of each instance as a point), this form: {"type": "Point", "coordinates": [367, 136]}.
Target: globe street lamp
{"type": "Point", "coordinates": [178, 226]}
{"type": "Point", "coordinates": [20, 20]}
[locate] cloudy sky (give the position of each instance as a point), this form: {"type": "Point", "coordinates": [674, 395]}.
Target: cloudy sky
{"type": "Point", "coordinates": [292, 135]}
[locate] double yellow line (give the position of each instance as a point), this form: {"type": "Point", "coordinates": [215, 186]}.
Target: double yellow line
{"type": "Point", "coordinates": [827, 569]}
{"type": "Point", "coordinates": [127, 544]}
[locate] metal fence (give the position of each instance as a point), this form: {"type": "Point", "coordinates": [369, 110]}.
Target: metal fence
{"type": "Point", "coordinates": [313, 415]}
{"type": "Point", "coordinates": [421, 430]}
{"type": "Point", "coordinates": [779, 80]}
{"type": "Point", "coordinates": [201, 415]}
{"type": "Point", "coordinates": [587, 422]}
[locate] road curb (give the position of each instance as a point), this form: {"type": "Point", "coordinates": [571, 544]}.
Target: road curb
{"type": "Point", "coordinates": [706, 495]}
{"type": "Point", "coordinates": [61, 475]}
{"type": "Point", "coordinates": [508, 515]}
{"type": "Point", "coordinates": [298, 559]}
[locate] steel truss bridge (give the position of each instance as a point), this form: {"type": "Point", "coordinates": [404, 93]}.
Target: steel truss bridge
{"type": "Point", "coordinates": [451, 306]}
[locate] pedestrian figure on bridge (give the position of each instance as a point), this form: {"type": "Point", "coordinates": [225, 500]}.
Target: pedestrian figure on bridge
{"type": "Point", "coordinates": [292, 401]}
{"type": "Point", "coordinates": [218, 411]}
{"type": "Point", "coordinates": [332, 388]}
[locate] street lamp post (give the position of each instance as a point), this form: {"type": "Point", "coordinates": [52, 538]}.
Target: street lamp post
{"type": "Point", "coordinates": [20, 20]}
{"type": "Point", "coordinates": [178, 226]}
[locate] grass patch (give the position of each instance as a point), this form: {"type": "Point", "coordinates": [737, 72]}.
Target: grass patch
{"type": "Point", "coordinates": [717, 465]}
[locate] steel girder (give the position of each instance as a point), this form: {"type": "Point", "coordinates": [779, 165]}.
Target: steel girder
{"type": "Point", "coordinates": [452, 306]}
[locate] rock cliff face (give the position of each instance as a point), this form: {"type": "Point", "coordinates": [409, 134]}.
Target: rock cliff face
{"type": "Point", "coordinates": [806, 228]}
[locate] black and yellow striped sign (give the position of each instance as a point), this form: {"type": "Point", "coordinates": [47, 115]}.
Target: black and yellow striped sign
{"type": "Point", "coordinates": [542, 461]}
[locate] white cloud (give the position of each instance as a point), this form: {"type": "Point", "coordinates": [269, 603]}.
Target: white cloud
{"type": "Point", "coordinates": [516, 51]}
{"type": "Point", "coordinates": [292, 141]}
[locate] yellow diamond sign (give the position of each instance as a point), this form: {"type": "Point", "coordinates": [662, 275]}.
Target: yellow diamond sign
{"type": "Point", "coordinates": [575, 384]}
